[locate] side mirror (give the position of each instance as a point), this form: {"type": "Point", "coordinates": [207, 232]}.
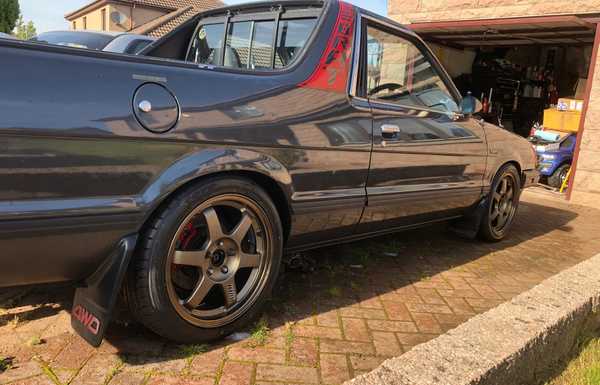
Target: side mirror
{"type": "Point", "coordinates": [470, 105]}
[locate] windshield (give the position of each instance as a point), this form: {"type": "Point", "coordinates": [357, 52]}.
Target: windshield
{"type": "Point", "coordinates": [89, 40]}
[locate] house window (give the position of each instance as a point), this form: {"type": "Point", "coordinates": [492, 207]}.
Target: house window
{"type": "Point", "coordinates": [103, 16]}
{"type": "Point", "coordinates": [74, 25]}
{"type": "Point", "coordinates": [84, 22]}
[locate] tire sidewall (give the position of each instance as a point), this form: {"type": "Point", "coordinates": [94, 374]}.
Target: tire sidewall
{"type": "Point", "coordinates": [486, 230]}
{"type": "Point", "coordinates": [554, 180]}
{"type": "Point", "coordinates": [158, 252]}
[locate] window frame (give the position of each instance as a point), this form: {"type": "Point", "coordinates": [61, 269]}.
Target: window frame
{"type": "Point", "coordinates": [277, 15]}
{"type": "Point", "coordinates": [359, 88]}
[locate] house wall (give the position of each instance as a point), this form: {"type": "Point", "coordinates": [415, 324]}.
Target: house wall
{"type": "Point", "coordinates": [141, 15]}
{"type": "Point", "coordinates": [138, 15]}
{"type": "Point", "coordinates": [94, 20]}
{"type": "Point", "coordinates": [586, 188]}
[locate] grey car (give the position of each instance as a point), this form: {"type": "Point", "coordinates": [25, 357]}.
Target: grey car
{"type": "Point", "coordinates": [179, 178]}
{"type": "Point", "coordinates": [6, 36]}
{"type": "Point", "coordinates": [127, 43]}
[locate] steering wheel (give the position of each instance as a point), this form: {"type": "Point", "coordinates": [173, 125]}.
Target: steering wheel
{"type": "Point", "coordinates": [385, 86]}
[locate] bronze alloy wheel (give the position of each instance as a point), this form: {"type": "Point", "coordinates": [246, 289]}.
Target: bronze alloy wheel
{"type": "Point", "coordinates": [504, 203]}
{"type": "Point", "coordinates": [218, 262]}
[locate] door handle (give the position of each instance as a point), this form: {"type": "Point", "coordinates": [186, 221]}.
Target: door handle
{"type": "Point", "coordinates": [390, 131]}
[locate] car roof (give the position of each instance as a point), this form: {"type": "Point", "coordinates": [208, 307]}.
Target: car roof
{"type": "Point", "coordinates": [101, 33]}
{"type": "Point", "coordinates": [246, 5]}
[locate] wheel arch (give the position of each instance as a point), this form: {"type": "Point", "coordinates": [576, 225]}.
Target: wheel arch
{"type": "Point", "coordinates": [267, 183]}
{"type": "Point", "coordinates": [262, 169]}
{"type": "Point", "coordinates": [500, 166]}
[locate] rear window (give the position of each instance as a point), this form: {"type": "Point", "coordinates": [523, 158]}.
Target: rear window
{"type": "Point", "coordinates": [88, 40]}
{"type": "Point", "coordinates": [257, 45]}
{"type": "Point", "coordinates": [292, 37]}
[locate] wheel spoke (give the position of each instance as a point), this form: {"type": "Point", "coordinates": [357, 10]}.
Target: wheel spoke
{"type": "Point", "coordinates": [199, 293]}
{"type": "Point", "coordinates": [503, 219]}
{"type": "Point", "coordinates": [495, 214]}
{"type": "Point", "coordinates": [215, 229]}
{"type": "Point", "coordinates": [230, 292]}
{"type": "Point", "coordinates": [504, 187]}
{"type": "Point", "coordinates": [190, 258]}
{"type": "Point", "coordinates": [497, 197]}
{"type": "Point", "coordinates": [510, 193]}
{"type": "Point", "coordinates": [249, 260]}
{"type": "Point", "coordinates": [241, 230]}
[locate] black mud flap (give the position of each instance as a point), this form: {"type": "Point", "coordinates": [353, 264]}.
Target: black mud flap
{"type": "Point", "coordinates": [468, 226]}
{"type": "Point", "coordinates": [94, 303]}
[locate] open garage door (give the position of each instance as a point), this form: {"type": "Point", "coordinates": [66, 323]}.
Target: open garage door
{"type": "Point", "coordinates": [529, 72]}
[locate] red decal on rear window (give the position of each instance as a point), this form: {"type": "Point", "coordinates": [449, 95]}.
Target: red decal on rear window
{"type": "Point", "coordinates": [333, 71]}
{"type": "Point", "coordinates": [90, 321]}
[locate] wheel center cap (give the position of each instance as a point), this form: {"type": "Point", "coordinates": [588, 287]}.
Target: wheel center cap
{"type": "Point", "coordinates": [218, 257]}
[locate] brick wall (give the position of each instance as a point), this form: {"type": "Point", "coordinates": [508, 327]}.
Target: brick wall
{"type": "Point", "coordinates": [407, 11]}
{"type": "Point", "coordinates": [587, 179]}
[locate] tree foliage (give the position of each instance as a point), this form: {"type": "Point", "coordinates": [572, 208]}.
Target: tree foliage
{"type": "Point", "coordinates": [25, 31]}
{"type": "Point", "coordinates": [9, 14]}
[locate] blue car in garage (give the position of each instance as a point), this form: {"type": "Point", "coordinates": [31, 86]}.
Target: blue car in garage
{"type": "Point", "coordinates": [555, 158]}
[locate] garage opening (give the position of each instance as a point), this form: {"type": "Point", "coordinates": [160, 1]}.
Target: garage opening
{"type": "Point", "coordinates": [531, 75]}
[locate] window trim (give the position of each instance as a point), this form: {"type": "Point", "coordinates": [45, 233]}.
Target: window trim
{"type": "Point", "coordinates": [359, 85]}
{"type": "Point", "coordinates": [278, 15]}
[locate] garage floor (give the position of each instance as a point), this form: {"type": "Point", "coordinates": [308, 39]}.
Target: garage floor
{"type": "Point", "coordinates": [364, 302]}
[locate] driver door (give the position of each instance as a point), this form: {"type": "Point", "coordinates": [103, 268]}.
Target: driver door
{"type": "Point", "coordinates": [428, 161]}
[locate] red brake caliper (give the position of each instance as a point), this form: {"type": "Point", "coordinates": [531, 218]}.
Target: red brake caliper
{"type": "Point", "coordinates": [188, 234]}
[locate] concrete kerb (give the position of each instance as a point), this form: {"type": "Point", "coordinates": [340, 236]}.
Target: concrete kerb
{"type": "Point", "coordinates": [515, 343]}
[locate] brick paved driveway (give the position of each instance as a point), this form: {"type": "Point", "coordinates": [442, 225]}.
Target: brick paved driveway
{"type": "Point", "coordinates": [364, 302]}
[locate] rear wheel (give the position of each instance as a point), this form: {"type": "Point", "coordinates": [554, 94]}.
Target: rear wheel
{"type": "Point", "coordinates": [502, 205]}
{"type": "Point", "coordinates": [559, 176]}
{"type": "Point", "coordinates": [208, 261]}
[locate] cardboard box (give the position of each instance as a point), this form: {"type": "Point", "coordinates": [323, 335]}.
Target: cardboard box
{"type": "Point", "coordinates": [572, 104]}
{"type": "Point", "coordinates": [564, 121]}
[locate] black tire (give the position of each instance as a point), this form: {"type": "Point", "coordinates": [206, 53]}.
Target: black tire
{"type": "Point", "coordinates": [151, 288]}
{"type": "Point", "coordinates": [557, 178]}
{"type": "Point", "coordinates": [500, 211]}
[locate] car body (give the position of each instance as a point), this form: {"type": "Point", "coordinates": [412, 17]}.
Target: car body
{"type": "Point", "coordinates": [555, 158]}
{"type": "Point", "coordinates": [6, 36]}
{"type": "Point", "coordinates": [303, 142]}
{"type": "Point", "coordinates": [98, 40]}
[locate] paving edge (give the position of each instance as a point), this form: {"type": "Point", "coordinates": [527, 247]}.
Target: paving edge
{"type": "Point", "coordinates": [514, 343]}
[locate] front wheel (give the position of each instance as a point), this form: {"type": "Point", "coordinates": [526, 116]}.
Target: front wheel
{"type": "Point", "coordinates": [207, 262]}
{"type": "Point", "coordinates": [502, 204]}
{"type": "Point", "coordinates": [557, 179]}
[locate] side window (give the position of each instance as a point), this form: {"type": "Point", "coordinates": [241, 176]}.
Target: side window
{"type": "Point", "coordinates": [398, 72]}
{"type": "Point", "coordinates": [291, 38]}
{"type": "Point", "coordinates": [568, 143]}
{"type": "Point", "coordinates": [237, 48]}
{"type": "Point", "coordinates": [208, 44]}
{"type": "Point", "coordinates": [249, 44]}
{"type": "Point", "coordinates": [261, 53]}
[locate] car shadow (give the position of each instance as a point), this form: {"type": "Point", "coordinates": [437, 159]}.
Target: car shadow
{"type": "Point", "coordinates": [346, 275]}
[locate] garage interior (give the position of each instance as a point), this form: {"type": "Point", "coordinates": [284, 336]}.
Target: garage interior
{"type": "Point", "coordinates": [528, 72]}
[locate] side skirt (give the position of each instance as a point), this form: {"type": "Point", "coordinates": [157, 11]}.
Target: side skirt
{"type": "Point", "coordinates": [361, 236]}
{"type": "Point", "coordinates": [95, 301]}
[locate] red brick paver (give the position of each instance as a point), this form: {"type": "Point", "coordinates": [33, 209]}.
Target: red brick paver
{"type": "Point", "coordinates": [366, 302]}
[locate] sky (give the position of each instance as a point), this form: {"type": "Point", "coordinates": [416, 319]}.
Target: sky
{"type": "Point", "coordinates": [50, 15]}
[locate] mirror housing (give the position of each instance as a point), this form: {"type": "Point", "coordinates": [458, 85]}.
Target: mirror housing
{"type": "Point", "coordinates": [470, 105]}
